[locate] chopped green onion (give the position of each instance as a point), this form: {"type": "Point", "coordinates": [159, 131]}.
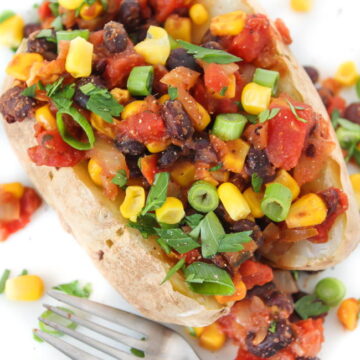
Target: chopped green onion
{"type": "Point", "coordinates": [267, 78]}
{"type": "Point", "coordinates": [47, 34]}
{"type": "Point", "coordinates": [120, 179]}
{"type": "Point", "coordinates": [7, 14]}
{"type": "Point", "coordinates": [174, 270]}
{"type": "Point", "coordinates": [164, 245]}
{"type": "Point", "coordinates": [173, 43]}
{"type": "Point", "coordinates": [256, 182]}
{"type": "Point", "coordinates": [330, 290]}
{"type": "Point", "coordinates": [203, 196]}
{"type": "Point", "coordinates": [70, 35]}
{"type": "Point", "coordinates": [51, 316]}
{"type": "Point", "coordinates": [276, 202]}
{"type": "Point", "coordinates": [4, 277]}
{"type": "Point", "coordinates": [140, 80]}
{"type": "Point", "coordinates": [229, 126]}
{"type": "Point", "coordinates": [84, 124]}
{"type": "Point", "coordinates": [137, 352]}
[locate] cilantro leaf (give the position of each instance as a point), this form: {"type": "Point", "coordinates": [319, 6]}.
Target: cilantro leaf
{"type": "Point", "coordinates": [223, 91]}
{"type": "Point", "coordinates": [29, 91]}
{"type": "Point", "coordinates": [51, 89]}
{"type": "Point", "coordinates": [211, 234]}
{"type": "Point", "coordinates": [272, 327]}
{"type": "Point", "coordinates": [293, 110]}
{"type": "Point", "coordinates": [193, 220]}
{"type": "Point", "coordinates": [178, 240]}
{"type": "Point", "coordinates": [146, 224]}
{"type": "Point", "coordinates": [74, 288]}
{"type": "Point", "coordinates": [256, 182]}
{"type": "Point", "coordinates": [48, 34]}
{"type": "Point", "coordinates": [233, 242]}
{"type": "Point", "coordinates": [217, 167]}
{"type": "Point", "coordinates": [120, 178]}
{"type": "Point", "coordinates": [173, 93]}
{"type": "Point", "coordinates": [268, 114]}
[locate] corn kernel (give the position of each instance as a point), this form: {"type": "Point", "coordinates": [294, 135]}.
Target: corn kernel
{"type": "Point", "coordinates": [347, 74]}
{"type": "Point", "coordinates": [164, 99]}
{"type": "Point", "coordinates": [184, 173]}
{"type": "Point", "coordinates": [135, 107]}
{"type": "Point", "coordinates": [21, 64]}
{"type": "Point", "coordinates": [234, 160]}
{"type": "Point", "coordinates": [95, 170]}
{"type": "Point", "coordinates": [198, 331]}
{"type": "Point", "coordinates": [284, 178]}
{"type": "Point", "coordinates": [348, 313]}
{"type": "Point", "coordinates": [12, 31]}
{"type": "Point", "coordinates": [171, 212]}
{"type": "Point", "coordinates": [15, 188]}
{"type": "Point", "coordinates": [198, 14]}
{"type": "Point", "coordinates": [254, 201]}
{"type": "Point", "coordinates": [178, 27]}
{"type": "Point", "coordinates": [212, 338]}
{"type": "Point", "coordinates": [90, 12]}
{"type": "Point", "coordinates": [156, 47]}
{"type": "Point", "coordinates": [230, 91]}
{"type": "Point", "coordinates": [45, 118]}
{"type": "Point", "coordinates": [70, 4]}
{"type": "Point", "coordinates": [355, 181]}
{"type": "Point", "coordinates": [121, 96]}
{"type": "Point", "coordinates": [133, 203]}
{"type": "Point", "coordinates": [205, 118]}
{"type": "Point", "coordinates": [255, 98]}
{"type": "Point", "coordinates": [309, 210]}
{"type": "Point", "coordinates": [157, 146]}
{"type": "Point", "coordinates": [24, 288]}
{"type": "Point", "coordinates": [79, 58]}
{"type": "Point", "coordinates": [228, 24]}
{"type": "Point", "coordinates": [102, 126]}
{"type": "Point", "coordinates": [233, 201]}
{"type": "Point", "coordinates": [301, 5]}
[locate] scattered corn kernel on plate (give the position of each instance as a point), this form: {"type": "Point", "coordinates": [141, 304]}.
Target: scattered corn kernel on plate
{"type": "Point", "coordinates": [43, 248]}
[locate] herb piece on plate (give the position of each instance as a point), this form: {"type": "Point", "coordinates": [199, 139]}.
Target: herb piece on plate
{"type": "Point", "coordinates": [234, 242]}
{"type": "Point", "coordinates": [3, 279]}
{"type": "Point", "coordinates": [74, 288]}
{"type": "Point", "coordinates": [178, 240]}
{"type": "Point", "coordinates": [146, 224]}
{"type": "Point", "coordinates": [120, 179]}
{"type": "Point", "coordinates": [174, 270]}
{"type": "Point", "coordinates": [309, 306]}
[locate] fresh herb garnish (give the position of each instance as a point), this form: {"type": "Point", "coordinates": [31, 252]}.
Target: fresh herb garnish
{"type": "Point", "coordinates": [293, 110]}
{"type": "Point", "coordinates": [348, 134]}
{"type": "Point", "coordinates": [208, 55]}
{"type": "Point", "coordinates": [178, 240]}
{"type": "Point", "coordinates": [51, 89]}
{"type": "Point", "coordinates": [146, 224]}
{"type": "Point", "coordinates": [295, 274]}
{"type": "Point", "coordinates": [256, 182]}
{"type": "Point", "coordinates": [164, 245]}
{"type": "Point", "coordinates": [29, 91]}
{"type": "Point", "coordinates": [24, 272]}
{"type": "Point", "coordinates": [211, 233]}
{"type": "Point", "coordinates": [216, 168]}
{"type": "Point", "coordinates": [208, 279]}
{"type": "Point", "coordinates": [54, 7]}
{"type": "Point", "coordinates": [74, 288]}
{"type": "Point", "coordinates": [234, 242]}
{"type": "Point", "coordinates": [3, 279]}
{"type": "Point", "coordinates": [193, 220]}
{"type": "Point", "coordinates": [223, 91]}
{"type": "Point", "coordinates": [309, 306]}
{"type": "Point", "coordinates": [174, 270]}
{"type": "Point", "coordinates": [120, 178]}
{"type": "Point", "coordinates": [173, 93]}
{"type": "Point", "coordinates": [268, 114]}
{"type": "Point", "coordinates": [335, 116]}
{"type": "Point", "coordinates": [47, 34]}
{"type": "Point", "coordinates": [7, 14]}
{"type": "Point", "coordinates": [137, 352]}
{"type": "Point", "coordinates": [272, 327]}
{"type": "Point", "coordinates": [101, 102]}
{"type": "Point", "coordinates": [57, 23]}
{"type": "Point", "coordinates": [157, 193]}
{"type": "Point", "coordinates": [357, 88]}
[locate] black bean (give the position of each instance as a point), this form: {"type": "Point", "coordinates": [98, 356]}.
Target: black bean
{"type": "Point", "coordinates": [274, 341]}
{"type": "Point", "coordinates": [204, 151]}
{"type": "Point", "coordinates": [169, 156]}
{"type": "Point", "coordinates": [130, 14]}
{"type": "Point", "coordinates": [182, 11]}
{"type": "Point", "coordinates": [30, 28]}
{"type": "Point", "coordinates": [130, 146]}
{"type": "Point", "coordinates": [132, 163]}
{"type": "Point", "coordinates": [179, 57]}
{"type": "Point", "coordinates": [331, 199]}
{"type": "Point", "coordinates": [80, 98]}
{"type": "Point", "coordinates": [326, 95]}
{"type": "Point", "coordinates": [41, 46]}
{"type": "Point", "coordinates": [310, 151]}
{"type": "Point", "coordinates": [212, 45]}
{"type": "Point", "coordinates": [14, 106]}
{"type": "Point", "coordinates": [177, 121]}
{"type": "Point", "coordinates": [313, 73]}
{"type": "Point", "coordinates": [257, 162]}
{"type": "Point", "coordinates": [208, 36]}
{"type": "Point", "coordinates": [247, 225]}
{"type": "Point", "coordinates": [115, 37]}
{"type": "Point", "coordinates": [352, 112]}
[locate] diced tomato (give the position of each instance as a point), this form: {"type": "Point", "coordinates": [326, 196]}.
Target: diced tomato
{"type": "Point", "coordinates": [165, 7]}
{"type": "Point", "coordinates": [53, 151]}
{"type": "Point", "coordinates": [29, 203]}
{"type": "Point", "coordinates": [181, 77]}
{"type": "Point", "coordinates": [192, 256]}
{"type": "Point", "coordinates": [244, 355]}
{"type": "Point", "coordinates": [254, 273]}
{"type": "Point", "coordinates": [215, 78]}
{"type": "Point", "coordinates": [44, 10]}
{"type": "Point", "coordinates": [148, 167]}
{"type": "Point", "coordinates": [145, 127]}
{"type": "Point", "coordinates": [338, 103]}
{"type": "Point", "coordinates": [284, 31]}
{"type": "Point", "coordinates": [159, 72]}
{"type": "Point", "coordinates": [252, 40]}
{"type": "Point", "coordinates": [257, 135]}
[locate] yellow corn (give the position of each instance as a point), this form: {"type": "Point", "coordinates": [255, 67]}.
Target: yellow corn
{"type": "Point", "coordinates": [184, 173]}
{"type": "Point", "coordinates": [21, 64]}
{"type": "Point", "coordinates": [15, 188]}
{"type": "Point", "coordinates": [233, 201]}
{"type": "Point", "coordinates": [95, 170]}
{"type": "Point", "coordinates": [347, 74]}
{"type": "Point", "coordinates": [156, 47]}
{"type": "Point", "coordinates": [178, 27]}
{"type": "Point", "coordinates": [198, 14]}
{"type": "Point", "coordinates": [255, 98]}
{"type": "Point", "coordinates": [79, 58]}
{"type": "Point", "coordinates": [171, 212]}
{"type": "Point", "coordinates": [157, 146]}
{"type": "Point", "coordinates": [12, 31]}
{"type": "Point", "coordinates": [44, 117]}
{"type": "Point", "coordinates": [254, 201]}
{"type": "Point", "coordinates": [102, 126]}
{"type": "Point", "coordinates": [121, 96]}
{"type": "Point", "coordinates": [205, 118]}
{"type": "Point", "coordinates": [284, 178]}
{"type": "Point", "coordinates": [212, 337]}
{"type": "Point", "coordinates": [133, 108]}
{"type": "Point", "coordinates": [133, 203]}
{"type": "Point", "coordinates": [355, 181]}
{"type": "Point", "coordinates": [90, 12]}
{"type": "Point", "coordinates": [163, 99]}
{"type": "Point", "coordinates": [24, 288]}
{"type": "Point", "coordinates": [234, 160]}
{"type": "Point", "coordinates": [302, 5]}
{"type": "Point", "coordinates": [230, 91]}
{"type": "Point", "coordinates": [348, 313]}
{"type": "Point", "coordinates": [198, 331]}
{"type": "Point", "coordinates": [228, 24]}
{"type": "Point", "coordinates": [70, 4]}
{"type": "Point", "coordinates": [309, 210]}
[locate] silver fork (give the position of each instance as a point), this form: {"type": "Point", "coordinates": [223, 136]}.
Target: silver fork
{"type": "Point", "coordinates": [157, 341]}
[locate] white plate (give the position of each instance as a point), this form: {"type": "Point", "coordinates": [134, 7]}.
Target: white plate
{"type": "Point", "coordinates": [324, 38]}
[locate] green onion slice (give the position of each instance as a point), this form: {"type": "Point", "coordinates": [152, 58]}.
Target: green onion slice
{"type": "Point", "coordinates": [84, 124]}
{"type": "Point", "coordinates": [70, 35]}
{"type": "Point", "coordinates": [7, 14]}
{"type": "Point", "coordinates": [267, 78]}
{"type": "Point", "coordinates": [276, 202]}
{"type": "Point", "coordinates": [140, 80]}
{"type": "Point", "coordinates": [330, 290]}
{"type": "Point", "coordinates": [229, 126]}
{"type": "Point", "coordinates": [203, 196]}
{"type": "Point", "coordinates": [174, 270]}
{"type": "Point", "coordinates": [4, 277]}
{"type": "Point", "coordinates": [49, 315]}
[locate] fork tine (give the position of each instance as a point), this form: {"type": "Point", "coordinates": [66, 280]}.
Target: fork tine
{"type": "Point", "coordinates": [117, 316]}
{"type": "Point", "coordinates": [70, 350]}
{"type": "Point", "coordinates": [116, 353]}
{"type": "Point", "coordinates": [124, 339]}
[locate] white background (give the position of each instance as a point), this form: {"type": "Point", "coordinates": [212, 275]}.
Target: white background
{"type": "Point", "coordinates": [324, 38]}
